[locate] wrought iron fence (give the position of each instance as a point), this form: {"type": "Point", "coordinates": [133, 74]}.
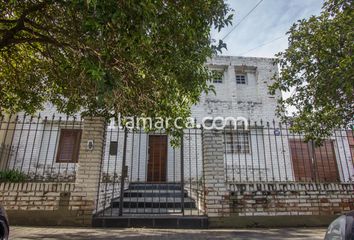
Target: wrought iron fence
{"type": "Point", "coordinates": [270, 152]}
{"type": "Point", "coordinates": [142, 173]}
{"type": "Point", "coordinates": [36, 148]}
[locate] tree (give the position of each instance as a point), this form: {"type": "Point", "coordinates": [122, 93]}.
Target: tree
{"type": "Point", "coordinates": [317, 68]}
{"type": "Point", "coordinates": [138, 58]}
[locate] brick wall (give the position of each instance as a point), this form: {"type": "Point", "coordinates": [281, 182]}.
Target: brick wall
{"type": "Point", "coordinates": [44, 203]}
{"type": "Point", "coordinates": [36, 196]}
{"type": "Point", "coordinates": [216, 195]}
{"type": "Point", "coordinates": [291, 199]}
{"type": "Point", "coordinates": [106, 192]}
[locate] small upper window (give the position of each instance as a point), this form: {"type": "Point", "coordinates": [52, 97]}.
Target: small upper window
{"type": "Point", "coordinates": [240, 79]}
{"type": "Point", "coordinates": [219, 76]}
{"type": "Point", "coordinates": [217, 80]}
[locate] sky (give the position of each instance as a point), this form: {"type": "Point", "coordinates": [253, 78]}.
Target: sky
{"type": "Point", "coordinates": [269, 21]}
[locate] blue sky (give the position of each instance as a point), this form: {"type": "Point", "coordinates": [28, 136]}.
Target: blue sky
{"type": "Point", "coordinates": [269, 21]}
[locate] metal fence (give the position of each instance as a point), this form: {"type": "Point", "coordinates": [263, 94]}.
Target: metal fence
{"type": "Point", "coordinates": [270, 152]}
{"type": "Point", "coordinates": [142, 173]}
{"type": "Point", "coordinates": [39, 148]}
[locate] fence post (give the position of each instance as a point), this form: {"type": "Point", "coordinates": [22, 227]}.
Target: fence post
{"type": "Point", "coordinates": [215, 193]}
{"type": "Point", "coordinates": [124, 172]}
{"type": "Point", "coordinates": [89, 164]}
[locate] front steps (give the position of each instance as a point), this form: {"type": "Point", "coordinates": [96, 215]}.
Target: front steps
{"type": "Point", "coordinates": [156, 205]}
{"type": "Point", "coordinates": [154, 197]}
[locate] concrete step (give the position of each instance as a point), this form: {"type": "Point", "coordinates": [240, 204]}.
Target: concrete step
{"type": "Point", "coordinates": [154, 202]}
{"type": "Point", "coordinates": [183, 222]}
{"type": "Point", "coordinates": [154, 193]}
{"type": "Point", "coordinates": [155, 186]}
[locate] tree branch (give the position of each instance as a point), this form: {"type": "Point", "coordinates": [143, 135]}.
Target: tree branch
{"type": "Point", "coordinates": [8, 20]}
{"type": "Point", "coordinates": [33, 40]}
{"type": "Point", "coordinates": [35, 25]}
{"type": "Point", "coordinates": [41, 36]}
{"type": "Point", "coordinates": [9, 36]}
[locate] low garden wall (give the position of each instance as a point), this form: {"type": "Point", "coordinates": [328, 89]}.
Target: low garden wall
{"type": "Point", "coordinates": [291, 199]}
{"type": "Point", "coordinates": [44, 203]}
{"type": "Point", "coordinates": [286, 204]}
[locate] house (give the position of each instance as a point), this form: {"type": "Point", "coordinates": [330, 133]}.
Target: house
{"type": "Point", "coordinates": [47, 148]}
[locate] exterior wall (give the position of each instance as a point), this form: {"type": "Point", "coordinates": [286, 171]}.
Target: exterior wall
{"type": "Point", "coordinates": [268, 160]}
{"type": "Point", "coordinates": [345, 161]}
{"type": "Point", "coordinates": [36, 196]}
{"type": "Point", "coordinates": [106, 193]}
{"type": "Point", "coordinates": [43, 203]}
{"type": "Point", "coordinates": [270, 157]}
{"type": "Point", "coordinates": [35, 147]}
{"type": "Point", "coordinates": [291, 199]}
{"type": "Point", "coordinates": [137, 157]}
{"type": "Point", "coordinates": [251, 100]}
{"type": "Point", "coordinates": [216, 195]}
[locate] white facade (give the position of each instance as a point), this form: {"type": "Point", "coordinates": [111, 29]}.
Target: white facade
{"type": "Point", "coordinates": [251, 100]}
{"type": "Point", "coordinates": [269, 156]}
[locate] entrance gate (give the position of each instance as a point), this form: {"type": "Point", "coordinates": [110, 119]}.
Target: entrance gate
{"type": "Point", "coordinates": [142, 174]}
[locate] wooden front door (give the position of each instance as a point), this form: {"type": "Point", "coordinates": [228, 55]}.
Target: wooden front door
{"type": "Point", "coordinates": [157, 163]}
{"type": "Point", "coordinates": [314, 163]}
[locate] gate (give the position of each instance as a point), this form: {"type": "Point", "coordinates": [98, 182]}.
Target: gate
{"type": "Point", "coordinates": [142, 173]}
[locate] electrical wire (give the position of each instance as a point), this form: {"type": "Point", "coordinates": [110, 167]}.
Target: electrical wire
{"type": "Point", "coordinates": [242, 20]}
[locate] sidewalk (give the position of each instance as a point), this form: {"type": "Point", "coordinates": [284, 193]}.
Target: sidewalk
{"type": "Point", "coordinates": [168, 234]}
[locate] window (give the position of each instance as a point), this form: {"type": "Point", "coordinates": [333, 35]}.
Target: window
{"type": "Point", "coordinates": [219, 78]}
{"type": "Point", "coordinates": [113, 148]}
{"type": "Point", "coordinates": [237, 141]}
{"type": "Point", "coordinates": [240, 79]}
{"type": "Point", "coordinates": [69, 146]}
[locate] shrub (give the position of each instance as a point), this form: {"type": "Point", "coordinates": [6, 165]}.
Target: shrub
{"type": "Point", "coordinates": [12, 176]}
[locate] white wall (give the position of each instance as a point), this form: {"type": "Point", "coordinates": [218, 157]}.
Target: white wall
{"type": "Point", "coordinates": [251, 101]}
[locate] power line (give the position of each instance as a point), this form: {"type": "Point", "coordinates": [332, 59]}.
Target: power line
{"type": "Point", "coordinates": [242, 20]}
{"type": "Point", "coordinates": [261, 45]}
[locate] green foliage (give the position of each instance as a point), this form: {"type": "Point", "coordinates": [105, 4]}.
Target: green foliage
{"type": "Point", "coordinates": [12, 176]}
{"type": "Point", "coordinates": [318, 68]}
{"type": "Point", "coordinates": [139, 58]}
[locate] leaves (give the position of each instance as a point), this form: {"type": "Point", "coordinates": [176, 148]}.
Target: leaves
{"type": "Point", "coordinates": [12, 176]}
{"type": "Point", "coordinates": [318, 68]}
{"type": "Point", "coordinates": [139, 58]}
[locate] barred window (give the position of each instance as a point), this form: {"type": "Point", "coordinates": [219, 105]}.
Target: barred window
{"type": "Point", "coordinates": [241, 79]}
{"type": "Point", "coordinates": [237, 141]}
